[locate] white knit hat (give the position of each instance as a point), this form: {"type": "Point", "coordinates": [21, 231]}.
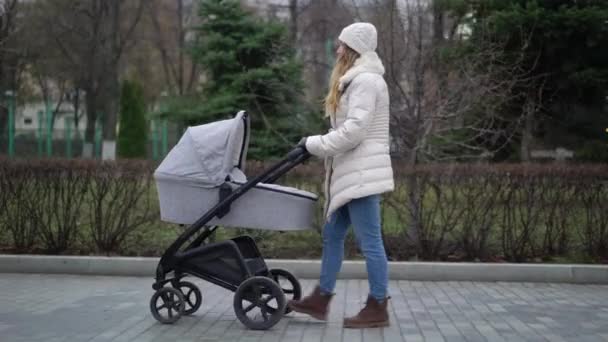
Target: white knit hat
{"type": "Point", "coordinates": [361, 37]}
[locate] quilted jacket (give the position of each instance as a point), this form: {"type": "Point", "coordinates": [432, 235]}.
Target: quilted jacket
{"type": "Point", "coordinates": [356, 149]}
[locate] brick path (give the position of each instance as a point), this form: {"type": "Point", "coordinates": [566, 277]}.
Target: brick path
{"type": "Point", "coordinates": [54, 308]}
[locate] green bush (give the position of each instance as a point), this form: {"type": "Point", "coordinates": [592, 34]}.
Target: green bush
{"type": "Point", "coordinates": [133, 127]}
{"type": "Point", "coordinates": [593, 151]}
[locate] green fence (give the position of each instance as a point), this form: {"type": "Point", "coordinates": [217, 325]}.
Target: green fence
{"type": "Point", "coordinates": [68, 142]}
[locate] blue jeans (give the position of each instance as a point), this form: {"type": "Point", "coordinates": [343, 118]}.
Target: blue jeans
{"type": "Point", "coordinates": [364, 214]}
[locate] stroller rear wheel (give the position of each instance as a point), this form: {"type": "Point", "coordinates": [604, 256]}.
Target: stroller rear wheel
{"type": "Point", "coordinates": [167, 305]}
{"type": "Point", "coordinates": [259, 303]}
{"type": "Point", "coordinates": [289, 284]}
{"type": "Point", "coordinates": [192, 296]}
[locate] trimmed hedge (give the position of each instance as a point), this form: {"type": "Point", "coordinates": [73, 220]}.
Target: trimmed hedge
{"type": "Point", "coordinates": [49, 205]}
{"type": "Point", "coordinates": [513, 212]}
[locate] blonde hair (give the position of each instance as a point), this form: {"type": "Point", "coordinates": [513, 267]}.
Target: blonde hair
{"type": "Point", "coordinates": [345, 61]}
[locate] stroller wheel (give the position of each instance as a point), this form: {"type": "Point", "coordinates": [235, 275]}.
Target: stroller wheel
{"type": "Point", "coordinates": [259, 303]}
{"type": "Point", "coordinates": [167, 305]}
{"type": "Point", "coordinates": [192, 297]}
{"type": "Point", "coordinates": [289, 284]}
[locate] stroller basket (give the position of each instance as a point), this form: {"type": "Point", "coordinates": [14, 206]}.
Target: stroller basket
{"type": "Point", "coordinates": [222, 261]}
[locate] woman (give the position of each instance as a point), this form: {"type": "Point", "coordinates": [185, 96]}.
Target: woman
{"type": "Point", "coordinates": [358, 170]}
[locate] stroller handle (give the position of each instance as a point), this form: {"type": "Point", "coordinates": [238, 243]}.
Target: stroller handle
{"type": "Point", "coordinates": [296, 153]}
{"type": "Point", "coordinates": [296, 156]}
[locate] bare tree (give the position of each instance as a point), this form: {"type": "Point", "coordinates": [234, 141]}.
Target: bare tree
{"type": "Point", "coordinates": [169, 25]}
{"type": "Point", "coordinates": [447, 108]}
{"type": "Point", "coordinates": [11, 63]}
{"type": "Point", "coordinates": [92, 36]}
{"type": "Point", "coordinates": [318, 25]}
{"type": "Point", "coordinates": [52, 90]}
{"type": "Point", "coordinates": [445, 104]}
{"type": "Point", "coordinates": [293, 21]}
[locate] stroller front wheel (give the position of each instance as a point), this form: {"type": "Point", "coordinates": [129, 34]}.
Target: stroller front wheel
{"type": "Point", "coordinates": [167, 305]}
{"type": "Point", "coordinates": [192, 297]}
{"type": "Point", "coordinates": [259, 303]}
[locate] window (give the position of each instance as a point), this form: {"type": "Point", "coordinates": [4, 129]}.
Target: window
{"type": "Point", "coordinates": [27, 121]}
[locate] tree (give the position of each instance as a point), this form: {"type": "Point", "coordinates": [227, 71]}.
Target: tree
{"type": "Point", "coordinates": [92, 36]}
{"type": "Point", "coordinates": [49, 78]}
{"type": "Point", "coordinates": [315, 28]}
{"type": "Point", "coordinates": [248, 63]}
{"type": "Point", "coordinates": [133, 127]}
{"type": "Point", "coordinates": [11, 53]}
{"type": "Point", "coordinates": [170, 23]}
{"type": "Point", "coordinates": [566, 55]}
{"type": "Point", "coordinates": [446, 91]}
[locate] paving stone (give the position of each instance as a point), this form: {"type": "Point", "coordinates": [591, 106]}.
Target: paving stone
{"type": "Point", "coordinates": [36, 307]}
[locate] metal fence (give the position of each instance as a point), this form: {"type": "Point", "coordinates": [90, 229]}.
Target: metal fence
{"type": "Point", "coordinates": [69, 143]}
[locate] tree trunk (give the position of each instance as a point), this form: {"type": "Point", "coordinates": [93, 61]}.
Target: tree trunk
{"type": "Point", "coordinates": [293, 21]}
{"type": "Point", "coordinates": [3, 123]}
{"type": "Point", "coordinates": [438, 24]}
{"type": "Point", "coordinates": [182, 45]}
{"type": "Point", "coordinates": [111, 96]}
{"type": "Point", "coordinates": [76, 105]}
{"type": "Point", "coordinates": [415, 210]}
{"type": "Point", "coordinates": [89, 133]}
{"type": "Point", "coordinates": [526, 137]}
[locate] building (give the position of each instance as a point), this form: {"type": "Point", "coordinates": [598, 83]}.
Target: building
{"type": "Point", "coordinates": [31, 120]}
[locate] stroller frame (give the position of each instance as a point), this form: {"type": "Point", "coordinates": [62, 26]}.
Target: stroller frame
{"type": "Point", "coordinates": [236, 264]}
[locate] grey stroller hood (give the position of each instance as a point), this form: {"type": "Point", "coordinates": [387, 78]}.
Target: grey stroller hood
{"type": "Point", "coordinates": [208, 156]}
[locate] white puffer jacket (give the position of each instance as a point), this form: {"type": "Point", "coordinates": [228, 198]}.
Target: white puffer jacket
{"type": "Point", "coordinates": [356, 149]}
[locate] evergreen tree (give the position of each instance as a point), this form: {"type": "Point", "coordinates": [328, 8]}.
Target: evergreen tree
{"type": "Point", "coordinates": [249, 65]}
{"type": "Point", "coordinates": [133, 134]}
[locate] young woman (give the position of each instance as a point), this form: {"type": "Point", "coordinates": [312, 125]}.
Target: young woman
{"type": "Point", "coordinates": [358, 170]}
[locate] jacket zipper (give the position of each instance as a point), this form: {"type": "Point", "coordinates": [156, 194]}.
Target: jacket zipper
{"type": "Point", "coordinates": [331, 170]}
{"type": "Point", "coordinates": [328, 186]}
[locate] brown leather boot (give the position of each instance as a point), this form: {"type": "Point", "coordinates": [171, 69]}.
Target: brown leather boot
{"type": "Point", "coordinates": [315, 305]}
{"type": "Point", "coordinates": [373, 315]}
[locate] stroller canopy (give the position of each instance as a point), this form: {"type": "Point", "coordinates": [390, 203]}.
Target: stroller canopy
{"type": "Point", "coordinates": [207, 154]}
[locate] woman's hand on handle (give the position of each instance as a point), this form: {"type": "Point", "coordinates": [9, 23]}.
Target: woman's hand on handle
{"type": "Point", "coordinates": [300, 149]}
{"type": "Point", "coordinates": [302, 143]}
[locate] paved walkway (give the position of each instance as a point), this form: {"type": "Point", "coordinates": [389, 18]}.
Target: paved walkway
{"type": "Point", "coordinates": [55, 308]}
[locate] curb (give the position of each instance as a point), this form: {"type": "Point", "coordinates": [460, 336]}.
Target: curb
{"type": "Point", "coordinates": [309, 269]}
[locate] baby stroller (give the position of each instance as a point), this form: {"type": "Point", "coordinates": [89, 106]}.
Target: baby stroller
{"type": "Point", "coordinates": [203, 174]}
